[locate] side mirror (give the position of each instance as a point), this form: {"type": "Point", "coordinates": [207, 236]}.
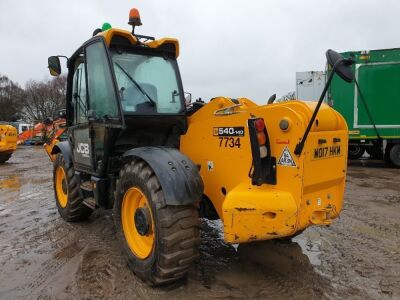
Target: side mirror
{"type": "Point", "coordinates": [341, 66]}
{"type": "Point", "coordinates": [54, 65]}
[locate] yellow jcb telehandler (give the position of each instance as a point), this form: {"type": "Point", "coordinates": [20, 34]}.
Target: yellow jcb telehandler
{"type": "Point", "coordinates": [267, 171]}
{"type": "Point", "coordinates": [8, 141]}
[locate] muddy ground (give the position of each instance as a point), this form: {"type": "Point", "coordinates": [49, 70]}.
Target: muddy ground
{"type": "Point", "coordinates": [42, 257]}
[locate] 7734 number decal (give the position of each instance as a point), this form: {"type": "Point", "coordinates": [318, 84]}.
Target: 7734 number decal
{"type": "Point", "coordinates": [229, 137]}
{"type": "Point", "coordinates": [229, 142]}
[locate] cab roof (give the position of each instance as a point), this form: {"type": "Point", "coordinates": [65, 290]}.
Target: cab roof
{"type": "Point", "coordinates": [110, 35]}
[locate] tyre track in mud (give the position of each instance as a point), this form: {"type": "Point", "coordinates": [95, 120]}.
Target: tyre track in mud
{"type": "Point", "coordinates": [363, 257]}
{"type": "Point", "coordinates": [42, 257]}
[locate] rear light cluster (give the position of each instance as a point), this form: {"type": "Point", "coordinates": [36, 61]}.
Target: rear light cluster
{"type": "Point", "coordinates": [261, 137]}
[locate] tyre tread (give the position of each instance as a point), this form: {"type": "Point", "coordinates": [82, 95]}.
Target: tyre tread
{"type": "Point", "coordinates": [77, 211]}
{"type": "Point", "coordinates": [178, 227]}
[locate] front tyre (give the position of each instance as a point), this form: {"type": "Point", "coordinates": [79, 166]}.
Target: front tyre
{"type": "Point", "coordinates": [159, 241]}
{"type": "Point", "coordinates": [66, 189]}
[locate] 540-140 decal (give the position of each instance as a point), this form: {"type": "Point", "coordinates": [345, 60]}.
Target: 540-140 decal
{"type": "Point", "coordinates": [229, 136]}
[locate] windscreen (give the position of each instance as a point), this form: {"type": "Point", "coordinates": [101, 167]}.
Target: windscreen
{"type": "Point", "coordinates": [147, 80]}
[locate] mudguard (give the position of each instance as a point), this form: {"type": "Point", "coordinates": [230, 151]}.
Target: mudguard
{"type": "Point", "coordinates": [178, 175]}
{"type": "Point", "coordinates": [65, 149]}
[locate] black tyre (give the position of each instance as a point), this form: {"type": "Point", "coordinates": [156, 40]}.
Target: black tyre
{"type": "Point", "coordinates": [355, 152]}
{"type": "Point", "coordinates": [159, 241]}
{"type": "Point", "coordinates": [387, 153]}
{"type": "Point", "coordinates": [66, 191]}
{"type": "Point", "coordinates": [374, 152]}
{"type": "Point", "coordinates": [4, 157]}
{"type": "Point", "coordinates": [394, 155]}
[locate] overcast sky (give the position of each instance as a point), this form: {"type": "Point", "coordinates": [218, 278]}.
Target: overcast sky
{"type": "Point", "coordinates": [228, 47]}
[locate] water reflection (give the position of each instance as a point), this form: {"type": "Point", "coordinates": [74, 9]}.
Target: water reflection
{"type": "Point", "coordinates": [10, 182]}
{"type": "Point", "coordinates": [259, 269]}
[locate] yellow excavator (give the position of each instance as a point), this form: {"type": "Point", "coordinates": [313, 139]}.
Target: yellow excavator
{"type": "Point", "coordinates": [134, 146]}
{"type": "Point", "coordinates": [8, 141]}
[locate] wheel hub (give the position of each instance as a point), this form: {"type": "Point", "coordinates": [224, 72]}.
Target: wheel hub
{"type": "Point", "coordinates": [142, 220]}
{"type": "Point", "coordinates": [137, 223]}
{"type": "Point", "coordinates": [61, 187]}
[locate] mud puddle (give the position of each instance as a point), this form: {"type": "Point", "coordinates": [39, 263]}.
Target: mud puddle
{"type": "Point", "coordinates": [42, 257]}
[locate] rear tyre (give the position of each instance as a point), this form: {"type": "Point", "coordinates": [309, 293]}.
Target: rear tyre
{"type": "Point", "coordinates": [394, 155]}
{"type": "Point", "coordinates": [159, 241]}
{"type": "Point", "coordinates": [387, 154]}
{"type": "Point", "coordinates": [4, 157]}
{"type": "Point", "coordinates": [374, 152]}
{"type": "Point", "coordinates": [66, 190]}
{"type": "Point", "coordinates": [289, 238]}
{"type": "Point", "coordinates": [355, 152]}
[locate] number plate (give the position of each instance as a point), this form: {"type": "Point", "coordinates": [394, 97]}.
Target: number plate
{"type": "Point", "coordinates": [326, 152]}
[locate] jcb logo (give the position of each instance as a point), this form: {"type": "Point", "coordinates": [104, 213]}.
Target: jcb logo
{"type": "Point", "coordinates": [83, 149]}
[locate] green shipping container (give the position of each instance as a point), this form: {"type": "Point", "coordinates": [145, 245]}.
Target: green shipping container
{"type": "Point", "coordinates": [372, 111]}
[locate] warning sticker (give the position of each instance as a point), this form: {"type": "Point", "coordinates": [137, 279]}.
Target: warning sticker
{"type": "Point", "coordinates": [286, 158]}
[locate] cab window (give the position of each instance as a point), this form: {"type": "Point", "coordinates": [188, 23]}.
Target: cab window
{"type": "Point", "coordinates": [102, 98]}
{"type": "Point", "coordinates": [79, 94]}
{"type": "Point", "coordinates": [147, 79]}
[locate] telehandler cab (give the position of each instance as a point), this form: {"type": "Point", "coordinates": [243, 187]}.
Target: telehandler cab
{"type": "Point", "coordinates": [266, 171]}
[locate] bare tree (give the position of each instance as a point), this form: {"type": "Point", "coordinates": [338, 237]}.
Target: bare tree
{"type": "Point", "coordinates": [11, 99]}
{"type": "Point", "coordinates": [287, 97]}
{"type": "Point", "coordinates": [44, 99]}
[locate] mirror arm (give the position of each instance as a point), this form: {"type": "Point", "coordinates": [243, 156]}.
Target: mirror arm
{"type": "Point", "coordinates": [300, 145]}
{"type": "Point", "coordinates": [67, 58]}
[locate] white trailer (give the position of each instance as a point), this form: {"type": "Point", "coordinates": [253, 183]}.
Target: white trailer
{"type": "Point", "coordinates": [309, 85]}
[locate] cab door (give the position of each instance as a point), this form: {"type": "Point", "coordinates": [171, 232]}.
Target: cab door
{"type": "Point", "coordinates": [97, 113]}
{"type": "Point", "coordinates": [79, 129]}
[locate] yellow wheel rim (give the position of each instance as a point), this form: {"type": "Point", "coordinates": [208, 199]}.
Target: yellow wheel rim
{"type": "Point", "coordinates": [61, 187]}
{"type": "Point", "coordinates": [140, 245]}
